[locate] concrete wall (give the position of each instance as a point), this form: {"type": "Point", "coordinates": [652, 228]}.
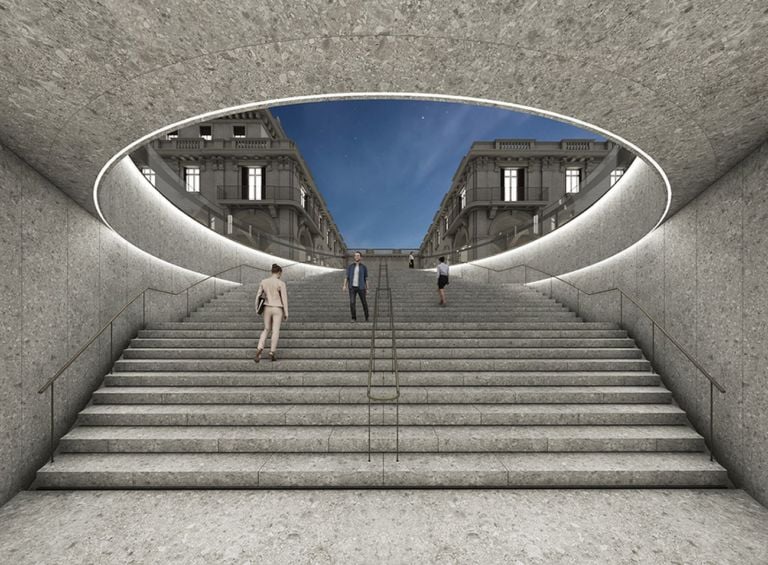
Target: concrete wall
{"type": "Point", "coordinates": [621, 217]}
{"type": "Point", "coordinates": [63, 274]}
{"type": "Point", "coordinates": [144, 217]}
{"type": "Point", "coordinates": [703, 276]}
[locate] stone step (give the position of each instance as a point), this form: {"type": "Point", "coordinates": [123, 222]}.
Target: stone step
{"type": "Point", "coordinates": [409, 395]}
{"type": "Point", "coordinates": [454, 304]}
{"type": "Point", "coordinates": [403, 353]}
{"type": "Point", "coordinates": [437, 315]}
{"type": "Point", "coordinates": [418, 378]}
{"type": "Point", "coordinates": [353, 439]}
{"type": "Point", "coordinates": [492, 470]}
{"type": "Point", "coordinates": [362, 364]}
{"type": "Point", "coordinates": [399, 326]}
{"type": "Point", "coordinates": [402, 343]}
{"type": "Point", "coordinates": [288, 332]}
{"type": "Point", "coordinates": [358, 415]}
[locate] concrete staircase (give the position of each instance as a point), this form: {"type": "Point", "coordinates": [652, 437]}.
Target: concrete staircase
{"type": "Point", "coordinates": [502, 388]}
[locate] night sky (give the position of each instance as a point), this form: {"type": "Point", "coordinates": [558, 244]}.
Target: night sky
{"type": "Point", "coordinates": [383, 166]}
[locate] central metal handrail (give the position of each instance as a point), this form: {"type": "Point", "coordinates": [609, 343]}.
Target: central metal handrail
{"type": "Point", "coordinates": [384, 267]}
{"type": "Point", "coordinates": [713, 382]}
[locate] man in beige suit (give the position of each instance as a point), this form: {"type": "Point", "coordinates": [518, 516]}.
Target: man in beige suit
{"type": "Point", "coordinates": [275, 310]}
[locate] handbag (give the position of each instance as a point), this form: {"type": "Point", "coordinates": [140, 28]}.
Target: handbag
{"type": "Point", "coordinates": [261, 301]}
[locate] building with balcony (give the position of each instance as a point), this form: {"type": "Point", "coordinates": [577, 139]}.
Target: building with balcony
{"type": "Point", "coordinates": [242, 177]}
{"type": "Point", "coordinates": [508, 191]}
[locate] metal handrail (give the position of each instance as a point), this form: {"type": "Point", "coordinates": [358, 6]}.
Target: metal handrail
{"type": "Point", "coordinates": [713, 382]}
{"type": "Point", "coordinates": [384, 267]}
{"type": "Point", "coordinates": [109, 325]}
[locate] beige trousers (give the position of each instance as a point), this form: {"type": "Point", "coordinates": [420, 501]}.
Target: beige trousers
{"type": "Point", "coordinates": [273, 317]}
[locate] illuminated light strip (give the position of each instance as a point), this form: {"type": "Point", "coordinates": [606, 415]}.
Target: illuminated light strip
{"type": "Point", "coordinates": [363, 95]}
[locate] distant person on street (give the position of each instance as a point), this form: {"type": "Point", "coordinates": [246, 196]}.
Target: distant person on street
{"type": "Point", "coordinates": [411, 261]}
{"type": "Point", "coordinates": [356, 280]}
{"type": "Point", "coordinates": [275, 310]}
{"type": "Point", "coordinates": [442, 280]}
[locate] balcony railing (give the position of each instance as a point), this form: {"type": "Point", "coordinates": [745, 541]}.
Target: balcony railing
{"type": "Point", "coordinates": [532, 196]}
{"type": "Point", "coordinates": [272, 194]}
{"type": "Point", "coordinates": [494, 194]}
{"type": "Point", "coordinates": [234, 144]}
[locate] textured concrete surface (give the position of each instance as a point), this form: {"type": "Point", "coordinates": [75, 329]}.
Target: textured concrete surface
{"type": "Point", "coordinates": [321, 527]}
{"type": "Point", "coordinates": [684, 82]}
{"type": "Point", "coordinates": [702, 275]}
{"type": "Point", "coordinates": [144, 217]}
{"type": "Point", "coordinates": [63, 275]}
{"type": "Point", "coordinates": [620, 218]}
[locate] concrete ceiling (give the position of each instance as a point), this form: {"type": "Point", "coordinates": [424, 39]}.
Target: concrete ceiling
{"type": "Point", "coordinates": [685, 81]}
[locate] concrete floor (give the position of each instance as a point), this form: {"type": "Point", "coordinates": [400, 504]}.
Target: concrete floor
{"type": "Point", "coordinates": [319, 527]}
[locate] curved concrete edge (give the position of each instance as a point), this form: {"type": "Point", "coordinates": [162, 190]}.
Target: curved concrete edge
{"type": "Point", "coordinates": [142, 216]}
{"type": "Point", "coordinates": [618, 221]}
{"type": "Point", "coordinates": [117, 212]}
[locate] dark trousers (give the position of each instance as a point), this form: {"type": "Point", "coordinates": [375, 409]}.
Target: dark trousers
{"type": "Point", "coordinates": [355, 290]}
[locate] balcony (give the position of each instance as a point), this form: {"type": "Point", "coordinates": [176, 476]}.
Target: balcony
{"type": "Point", "coordinates": [233, 194]}
{"type": "Point", "coordinates": [237, 195]}
{"type": "Point", "coordinates": [532, 197]}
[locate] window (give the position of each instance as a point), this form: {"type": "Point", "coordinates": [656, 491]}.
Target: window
{"type": "Point", "coordinates": [205, 133]}
{"type": "Point", "coordinates": [553, 223]}
{"type": "Point", "coordinates": [303, 197]}
{"type": "Point", "coordinates": [512, 184]}
{"type": "Point", "coordinates": [172, 135]}
{"type": "Point", "coordinates": [328, 238]}
{"type": "Point", "coordinates": [616, 174]}
{"type": "Point", "coordinates": [238, 131]}
{"type": "Point", "coordinates": [445, 224]}
{"type": "Point", "coordinates": [463, 198]}
{"type": "Point", "coordinates": [536, 224]}
{"type": "Point", "coordinates": [229, 224]}
{"type": "Point", "coordinates": [213, 223]}
{"type": "Point", "coordinates": [192, 179]}
{"type": "Point", "coordinates": [149, 174]}
{"type": "Point", "coordinates": [572, 180]}
{"type": "Point", "coordinates": [252, 183]}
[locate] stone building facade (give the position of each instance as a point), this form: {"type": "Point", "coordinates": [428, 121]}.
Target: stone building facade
{"type": "Point", "coordinates": [241, 176]}
{"type": "Point", "coordinates": [509, 191]}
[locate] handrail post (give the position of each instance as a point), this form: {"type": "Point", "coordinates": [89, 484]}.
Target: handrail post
{"type": "Point", "coordinates": [187, 302]}
{"type": "Point", "coordinates": [144, 309]}
{"type": "Point", "coordinates": [578, 307]}
{"type": "Point", "coordinates": [653, 343]}
{"type": "Point", "coordinates": [111, 352]}
{"type": "Point", "coordinates": [550, 287]}
{"type": "Point", "coordinates": [525, 274]}
{"type": "Point", "coordinates": [621, 308]}
{"type": "Point", "coordinates": [711, 422]}
{"type": "Point", "coordinates": [53, 424]}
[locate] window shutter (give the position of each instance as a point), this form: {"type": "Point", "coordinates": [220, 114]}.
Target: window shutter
{"type": "Point", "coordinates": [263, 183]}
{"type": "Point", "coordinates": [502, 185]}
{"type": "Point", "coordinates": [520, 184]}
{"type": "Point", "coordinates": [244, 183]}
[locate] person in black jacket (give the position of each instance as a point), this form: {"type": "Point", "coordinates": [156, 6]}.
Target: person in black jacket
{"type": "Point", "coordinates": [356, 280]}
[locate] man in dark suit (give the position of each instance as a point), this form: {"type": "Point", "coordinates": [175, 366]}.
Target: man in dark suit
{"type": "Point", "coordinates": [356, 281]}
